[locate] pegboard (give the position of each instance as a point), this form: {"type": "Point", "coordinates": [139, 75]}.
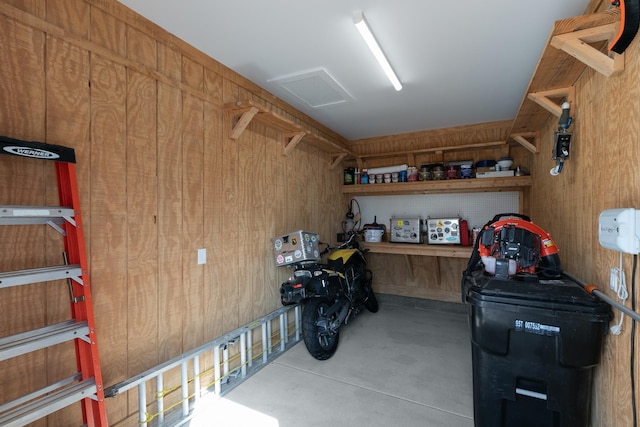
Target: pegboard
{"type": "Point", "coordinates": [476, 208]}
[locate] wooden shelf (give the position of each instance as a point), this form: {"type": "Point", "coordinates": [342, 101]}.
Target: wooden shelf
{"type": "Point", "coordinates": [472, 185]}
{"type": "Point", "coordinates": [406, 249]}
{"type": "Point", "coordinates": [573, 45]}
{"type": "Point", "coordinates": [241, 113]}
{"type": "Point", "coordinates": [447, 251]}
{"type": "Point", "coordinates": [435, 150]}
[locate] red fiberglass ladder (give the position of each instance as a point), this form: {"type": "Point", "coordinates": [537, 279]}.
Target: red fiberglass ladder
{"type": "Point", "coordinates": [85, 386]}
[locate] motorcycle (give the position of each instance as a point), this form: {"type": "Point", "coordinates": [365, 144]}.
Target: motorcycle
{"type": "Point", "coordinates": [332, 293]}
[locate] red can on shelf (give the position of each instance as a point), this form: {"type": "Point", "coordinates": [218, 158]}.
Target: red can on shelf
{"type": "Point", "coordinates": [453, 171]}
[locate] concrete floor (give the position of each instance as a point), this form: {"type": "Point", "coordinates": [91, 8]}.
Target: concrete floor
{"type": "Point", "coordinates": [407, 365]}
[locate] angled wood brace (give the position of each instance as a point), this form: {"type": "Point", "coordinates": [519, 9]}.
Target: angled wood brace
{"type": "Point", "coordinates": [246, 116]}
{"type": "Point", "coordinates": [542, 98]}
{"type": "Point", "coordinates": [290, 141]}
{"type": "Point", "coordinates": [577, 45]}
{"type": "Point", "coordinates": [525, 139]}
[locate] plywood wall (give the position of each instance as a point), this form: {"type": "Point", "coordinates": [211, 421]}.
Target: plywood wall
{"type": "Point", "coordinates": [158, 180]}
{"type": "Point", "coordinates": [602, 173]}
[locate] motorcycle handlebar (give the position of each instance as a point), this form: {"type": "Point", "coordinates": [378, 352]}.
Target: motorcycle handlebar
{"type": "Point", "coordinates": [343, 245]}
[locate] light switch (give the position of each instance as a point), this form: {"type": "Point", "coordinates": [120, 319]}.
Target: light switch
{"type": "Point", "coordinates": [202, 256]}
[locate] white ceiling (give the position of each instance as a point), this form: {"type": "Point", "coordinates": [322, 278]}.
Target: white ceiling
{"type": "Point", "coordinates": [462, 62]}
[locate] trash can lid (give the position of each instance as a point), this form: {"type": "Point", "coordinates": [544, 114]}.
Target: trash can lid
{"type": "Point", "coordinates": [551, 294]}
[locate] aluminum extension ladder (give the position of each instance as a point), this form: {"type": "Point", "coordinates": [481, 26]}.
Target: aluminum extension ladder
{"type": "Point", "coordinates": [86, 385]}
{"type": "Point", "coordinates": [257, 345]}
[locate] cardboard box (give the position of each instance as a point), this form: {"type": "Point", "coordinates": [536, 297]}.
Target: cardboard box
{"type": "Point", "coordinates": [295, 247]}
{"type": "Point", "coordinates": [495, 174]}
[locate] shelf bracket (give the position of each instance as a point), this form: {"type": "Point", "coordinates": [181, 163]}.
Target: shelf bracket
{"type": "Point", "coordinates": [524, 139]}
{"type": "Point", "coordinates": [542, 99]}
{"type": "Point", "coordinates": [290, 142]}
{"type": "Point", "coordinates": [577, 45]}
{"type": "Point", "coordinates": [242, 123]}
{"type": "Point", "coordinates": [336, 161]}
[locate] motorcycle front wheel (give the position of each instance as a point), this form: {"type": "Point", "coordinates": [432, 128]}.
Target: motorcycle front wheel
{"type": "Point", "coordinates": [370, 302]}
{"type": "Point", "coordinates": [320, 344]}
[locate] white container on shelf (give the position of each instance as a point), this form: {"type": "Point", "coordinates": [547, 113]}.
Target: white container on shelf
{"type": "Point", "coordinates": [373, 235]}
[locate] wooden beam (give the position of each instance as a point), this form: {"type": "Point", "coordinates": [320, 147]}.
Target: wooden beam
{"type": "Point", "coordinates": [577, 45]}
{"type": "Point", "coordinates": [521, 138]}
{"type": "Point", "coordinates": [293, 140]}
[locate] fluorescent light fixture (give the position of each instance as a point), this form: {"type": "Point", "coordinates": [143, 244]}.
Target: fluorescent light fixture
{"type": "Point", "coordinates": [365, 32]}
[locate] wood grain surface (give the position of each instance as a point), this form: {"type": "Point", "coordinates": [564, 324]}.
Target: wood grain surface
{"type": "Point", "coordinates": [160, 178]}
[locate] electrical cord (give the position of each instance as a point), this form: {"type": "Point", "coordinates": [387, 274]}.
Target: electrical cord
{"type": "Point", "coordinates": [622, 293]}
{"type": "Point", "coordinates": [354, 218]}
{"type": "Point", "coordinates": [633, 343]}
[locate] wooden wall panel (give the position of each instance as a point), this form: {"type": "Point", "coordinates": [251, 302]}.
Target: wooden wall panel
{"type": "Point", "coordinates": [141, 48]}
{"type": "Point", "coordinates": [214, 225]}
{"type": "Point", "coordinates": [73, 15]}
{"type": "Point", "coordinates": [158, 178]}
{"type": "Point", "coordinates": [108, 32]}
{"type": "Point", "coordinates": [170, 218]}
{"type": "Point", "coordinates": [192, 229]}
{"type": "Point", "coordinates": [230, 206]}
{"type": "Point", "coordinates": [601, 174]}
{"type": "Point", "coordinates": [22, 107]}
{"type": "Point", "coordinates": [108, 213]}
{"type": "Point", "coordinates": [142, 239]}
{"type": "Point", "coordinates": [246, 218]}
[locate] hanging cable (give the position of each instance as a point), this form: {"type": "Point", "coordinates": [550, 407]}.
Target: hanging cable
{"type": "Point", "coordinates": [623, 294]}
{"type": "Point", "coordinates": [633, 343]}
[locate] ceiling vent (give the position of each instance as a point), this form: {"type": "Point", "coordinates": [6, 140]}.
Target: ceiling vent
{"type": "Point", "coordinates": [315, 88]}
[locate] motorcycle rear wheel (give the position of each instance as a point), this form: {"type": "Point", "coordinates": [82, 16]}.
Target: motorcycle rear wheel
{"type": "Point", "coordinates": [320, 344]}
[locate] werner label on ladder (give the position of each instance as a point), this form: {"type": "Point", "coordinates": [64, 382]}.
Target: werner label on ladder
{"type": "Point", "coordinates": [86, 385]}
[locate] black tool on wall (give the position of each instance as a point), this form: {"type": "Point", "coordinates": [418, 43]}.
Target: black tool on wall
{"type": "Point", "coordinates": [629, 24]}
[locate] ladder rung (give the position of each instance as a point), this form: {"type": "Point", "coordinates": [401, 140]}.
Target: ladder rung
{"type": "Point", "coordinates": [23, 215]}
{"type": "Point", "coordinates": [26, 342]}
{"type": "Point", "coordinates": [48, 404]}
{"type": "Point", "coordinates": [36, 275]}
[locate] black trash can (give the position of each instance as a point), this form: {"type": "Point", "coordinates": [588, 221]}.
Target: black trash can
{"type": "Point", "coordinates": [535, 344]}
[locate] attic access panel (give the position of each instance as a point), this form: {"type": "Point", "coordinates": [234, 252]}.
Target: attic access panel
{"type": "Point", "coordinates": [316, 88]}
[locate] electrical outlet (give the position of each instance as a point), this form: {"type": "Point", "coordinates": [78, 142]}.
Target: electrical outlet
{"type": "Point", "coordinates": [202, 256]}
{"type": "Point", "coordinates": [613, 279]}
